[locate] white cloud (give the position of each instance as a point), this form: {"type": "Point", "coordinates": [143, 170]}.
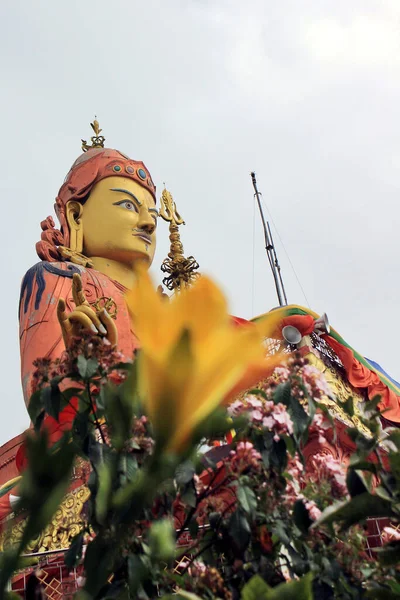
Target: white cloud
{"type": "Point", "coordinates": [367, 41]}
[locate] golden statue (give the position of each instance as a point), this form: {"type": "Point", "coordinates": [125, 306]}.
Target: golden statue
{"type": "Point", "coordinates": [108, 217]}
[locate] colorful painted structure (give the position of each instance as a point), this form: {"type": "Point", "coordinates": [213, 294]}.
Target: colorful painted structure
{"type": "Point", "coordinates": [107, 212]}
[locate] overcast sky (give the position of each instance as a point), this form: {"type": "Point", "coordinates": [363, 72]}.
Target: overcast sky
{"type": "Point", "coordinates": [304, 92]}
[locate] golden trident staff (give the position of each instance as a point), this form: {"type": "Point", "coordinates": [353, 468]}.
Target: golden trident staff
{"type": "Point", "coordinates": [179, 268]}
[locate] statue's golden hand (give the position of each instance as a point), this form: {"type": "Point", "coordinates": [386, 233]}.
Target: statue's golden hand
{"type": "Point", "coordinates": [84, 318]}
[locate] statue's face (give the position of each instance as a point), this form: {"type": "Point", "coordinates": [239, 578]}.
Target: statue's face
{"type": "Point", "coordinates": [119, 221]}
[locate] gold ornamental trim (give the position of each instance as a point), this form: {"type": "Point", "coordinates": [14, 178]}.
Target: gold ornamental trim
{"type": "Point", "coordinates": [65, 524]}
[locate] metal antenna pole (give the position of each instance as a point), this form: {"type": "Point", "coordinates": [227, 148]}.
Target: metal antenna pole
{"type": "Point", "coordinates": [277, 265]}
{"type": "Point", "coordinates": [270, 248]}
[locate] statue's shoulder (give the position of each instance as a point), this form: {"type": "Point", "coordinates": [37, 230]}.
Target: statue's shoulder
{"type": "Point", "coordinates": [59, 269]}
{"type": "Point", "coordinates": [37, 277]}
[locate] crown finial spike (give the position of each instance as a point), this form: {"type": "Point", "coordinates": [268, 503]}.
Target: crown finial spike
{"type": "Point", "coordinates": [97, 139]}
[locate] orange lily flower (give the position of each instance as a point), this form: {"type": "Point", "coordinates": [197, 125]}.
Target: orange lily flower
{"type": "Point", "coordinates": [192, 355]}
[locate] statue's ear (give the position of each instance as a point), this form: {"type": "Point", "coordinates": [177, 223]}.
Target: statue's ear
{"type": "Point", "coordinates": [73, 213]}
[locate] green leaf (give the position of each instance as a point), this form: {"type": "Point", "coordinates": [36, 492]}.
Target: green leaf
{"type": "Point", "coordinates": [381, 594]}
{"type": "Point", "coordinates": [394, 437]}
{"type": "Point", "coordinates": [247, 499]}
{"type": "Point", "coordinates": [7, 488]}
{"type": "Point", "coordinates": [8, 564]}
{"type": "Point", "coordinates": [362, 465]}
{"type": "Point", "coordinates": [394, 460]}
{"type": "Point", "coordinates": [389, 554]}
{"type": "Point", "coordinates": [184, 472]}
{"type": "Point", "coordinates": [299, 416]}
{"type": "Point", "coordinates": [258, 589]}
{"type": "Point", "coordinates": [279, 530]}
{"type": "Point", "coordinates": [186, 595]}
{"type": "Point", "coordinates": [99, 563]}
{"type": "Point", "coordinates": [137, 572]}
{"type": "Point", "coordinates": [103, 495]}
{"type": "Point", "coordinates": [119, 409]}
{"type": "Point", "coordinates": [355, 482]}
{"type": "Point", "coordinates": [283, 394]}
{"type": "Point", "coordinates": [294, 590]}
{"type": "Point", "coordinates": [193, 528]}
{"type": "Point", "coordinates": [258, 392]}
{"type": "Point", "coordinates": [44, 482]}
{"type": "Point", "coordinates": [239, 530]}
{"type": "Point", "coordinates": [35, 406]}
{"type": "Point", "coordinates": [216, 426]}
{"type": "Point", "coordinates": [74, 553]}
{"type": "Point", "coordinates": [348, 406]}
{"type": "Point", "coordinates": [214, 519]}
{"type": "Point", "coordinates": [301, 517]}
{"type": "Point", "coordinates": [127, 468]}
{"type": "Point", "coordinates": [181, 595]}
{"type": "Point", "coordinates": [87, 367]}
{"type": "Point", "coordinates": [278, 455]}
{"type": "Point", "coordinates": [51, 397]}
{"type": "Point", "coordinates": [162, 540]}
{"type": "Point", "coordinates": [188, 495]}
{"type": "Point", "coordinates": [255, 589]}
{"type": "Point", "coordinates": [357, 509]}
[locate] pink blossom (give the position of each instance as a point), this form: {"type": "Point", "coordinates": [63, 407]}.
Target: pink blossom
{"type": "Point", "coordinates": [325, 466]}
{"type": "Point", "coordinates": [253, 402]}
{"type": "Point", "coordinates": [196, 569]}
{"type": "Point", "coordinates": [277, 419]}
{"type": "Point", "coordinates": [244, 457]}
{"type": "Point", "coordinates": [256, 415]}
{"type": "Point", "coordinates": [198, 484]}
{"type": "Point", "coordinates": [315, 382]}
{"type": "Point", "coordinates": [236, 408]}
{"type": "Point", "coordinates": [281, 374]}
{"type": "Point", "coordinates": [318, 427]}
{"type": "Point", "coordinates": [295, 479]}
{"type": "Point", "coordinates": [268, 422]}
{"type": "Point", "coordinates": [313, 510]}
{"type": "Point", "coordinates": [266, 413]}
{"type": "Point", "coordinates": [390, 534]}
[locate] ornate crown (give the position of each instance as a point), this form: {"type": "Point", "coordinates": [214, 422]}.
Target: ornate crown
{"type": "Point", "coordinates": [107, 162]}
{"type": "Point", "coordinates": [97, 139]}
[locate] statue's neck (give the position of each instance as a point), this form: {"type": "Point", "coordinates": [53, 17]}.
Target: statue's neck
{"type": "Point", "coordinates": [115, 270]}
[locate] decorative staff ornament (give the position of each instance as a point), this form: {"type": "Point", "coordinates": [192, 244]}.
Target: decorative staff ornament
{"type": "Point", "coordinates": [179, 268]}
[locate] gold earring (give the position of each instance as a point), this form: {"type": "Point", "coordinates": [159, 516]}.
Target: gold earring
{"type": "Point", "coordinates": [74, 252]}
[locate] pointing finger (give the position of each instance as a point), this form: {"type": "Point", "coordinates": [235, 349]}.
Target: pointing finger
{"type": "Point", "coordinates": [77, 291]}
{"type": "Point", "coordinates": [61, 310]}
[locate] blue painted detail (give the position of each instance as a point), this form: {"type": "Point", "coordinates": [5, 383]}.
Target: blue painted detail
{"type": "Point", "coordinates": [142, 174]}
{"type": "Point", "coordinates": [69, 272]}
{"type": "Point", "coordinates": [37, 272]}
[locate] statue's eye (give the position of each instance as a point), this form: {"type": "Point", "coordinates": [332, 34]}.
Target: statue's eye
{"type": "Point", "coordinates": [128, 205]}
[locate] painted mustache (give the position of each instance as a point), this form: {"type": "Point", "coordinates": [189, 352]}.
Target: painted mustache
{"type": "Point", "coordinates": [142, 234]}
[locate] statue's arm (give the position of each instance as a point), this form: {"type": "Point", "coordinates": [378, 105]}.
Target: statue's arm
{"type": "Point", "coordinates": [53, 311]}
{"type": "Point", "coordinates": [40, 332]}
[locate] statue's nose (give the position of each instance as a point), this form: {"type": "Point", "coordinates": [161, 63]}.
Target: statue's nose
{"type": "Point", "coordinates": [146, 221]}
